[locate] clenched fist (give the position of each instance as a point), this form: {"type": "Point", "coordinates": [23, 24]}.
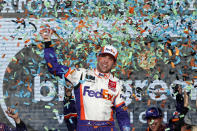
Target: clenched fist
{"type": "Point", "coordinates": [46, 34]}
{"type": "Point", "coordinates": [13, 114]}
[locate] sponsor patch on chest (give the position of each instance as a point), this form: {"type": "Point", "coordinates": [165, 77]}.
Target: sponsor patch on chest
{"type": "Point", "coordinates": [103, 93]}
{"type": "Point", "coordinates": [112, 85]}
{"type": "Point", "coordinates": [90, 78]}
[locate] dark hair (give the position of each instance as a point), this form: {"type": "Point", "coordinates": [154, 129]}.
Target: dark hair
{"type": "Point", "coordinates": [104, 54]}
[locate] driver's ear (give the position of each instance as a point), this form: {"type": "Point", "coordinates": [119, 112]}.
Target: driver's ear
{"type": "Point", "coordinates": [97, 58]}
{"type": "Point", "coordinates": [115, 63]}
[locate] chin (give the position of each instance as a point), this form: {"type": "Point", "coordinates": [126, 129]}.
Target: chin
{"type": "Point", "coordinates": [104, 71]}
{"type": "Point", "coordinates": [154, 129]}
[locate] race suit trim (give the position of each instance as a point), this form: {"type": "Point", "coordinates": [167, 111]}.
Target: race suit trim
{"type": "Point", "coordinates": [69, 70]}
{"type": "Point", "coordinates": [119, 104]}
{"type": "Point", "coordinates": [70, 115]}
{"type": "Point", "coordinates": [81, 104]}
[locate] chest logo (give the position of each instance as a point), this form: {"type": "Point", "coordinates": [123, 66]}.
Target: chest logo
{"type": "Point", "coordinates": [112, 85]}
{"type": "Point", "coordinates": [97, 94]}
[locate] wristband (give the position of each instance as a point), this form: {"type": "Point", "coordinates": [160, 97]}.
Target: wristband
{"type": "Point", "coordinates": [47, 44]}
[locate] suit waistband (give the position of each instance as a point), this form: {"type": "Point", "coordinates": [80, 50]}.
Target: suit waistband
{"type": "Point", "coordinates": [95, 123]}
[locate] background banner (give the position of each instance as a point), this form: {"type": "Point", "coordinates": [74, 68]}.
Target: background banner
{"type": "Point", "coordinates": [156, 40]}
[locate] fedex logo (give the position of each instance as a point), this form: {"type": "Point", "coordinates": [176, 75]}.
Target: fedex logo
{"type": "Point", "coordinates": [111, 50]}
{"type": "Point", "coordinates": [99, 94]}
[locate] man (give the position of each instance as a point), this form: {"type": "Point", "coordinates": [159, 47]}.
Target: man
{"type": "Point", "coordinates": [20, 126]}
{"type": "Point", "coordinates": [154, 119]}
{"type": "Point", "coordinates": [154, 115]}
{"type": "Point", "coordinates": [70, 113]}
{"type": "Point", "coordinates": [190, 121]}
{"type": "Point", "coordinates": [97, 91]}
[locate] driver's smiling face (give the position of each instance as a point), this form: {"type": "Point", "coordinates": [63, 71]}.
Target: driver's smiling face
{"type": "Point", "coordinates": [105, 63]}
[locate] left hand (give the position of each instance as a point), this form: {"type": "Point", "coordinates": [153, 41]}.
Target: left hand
{"type": "Point", "coordinates": [11, 113]}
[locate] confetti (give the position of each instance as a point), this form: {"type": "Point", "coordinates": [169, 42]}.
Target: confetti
{"type": "Point", "coordinates": [143, 38]}
{"type": "Point", "coordinates": [47, 107]}
{"type": "Point", "coordinates": [3, 56]}
{"type": "Point", "coordinates": [26, 103]}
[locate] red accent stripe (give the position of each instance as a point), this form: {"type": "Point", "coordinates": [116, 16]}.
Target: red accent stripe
{"type": "Point", "coordinates": [116, 55]}
{"type": "Point", "coordinates": [67, 72]}
{"type": "Point", "coordinates": [111, 118]}
{"type": "Point", "coordinates": [81, 104]}
{"type": "Point", "coordinates": [69, 115]}
{"type": "Point", "coordinates": [120, 104]}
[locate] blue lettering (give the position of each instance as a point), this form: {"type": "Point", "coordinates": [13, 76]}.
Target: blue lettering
{"type": "Point", "coordinates": [91, 93]}
{"type": "Point", "coordinates": [99, 94]}
{"type": "Point", "coordinates": [86, 90]}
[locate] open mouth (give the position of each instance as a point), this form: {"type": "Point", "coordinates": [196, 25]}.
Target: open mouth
{"type": "Point", "coordinates": [104, 65]}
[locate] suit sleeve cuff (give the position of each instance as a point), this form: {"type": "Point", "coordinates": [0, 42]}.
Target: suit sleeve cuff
{"type": "Point", "coordinates": [21, 124]}
{"type": "Point", "coordinates": [47, 44]}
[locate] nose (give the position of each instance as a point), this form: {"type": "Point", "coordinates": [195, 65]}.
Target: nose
{"type": "Point", "coordinates": [106, 60]}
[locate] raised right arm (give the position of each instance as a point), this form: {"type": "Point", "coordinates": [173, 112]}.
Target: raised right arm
{"type": "Point", "coordinates": [53, 66]}
{"type": "Point", "coordinates": [49, 54]}
{"type": "Point", "coordinates": [70, 114]}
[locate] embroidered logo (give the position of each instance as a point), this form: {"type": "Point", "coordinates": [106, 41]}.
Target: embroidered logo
{"type": "Point", "coordinates": [112, 85]}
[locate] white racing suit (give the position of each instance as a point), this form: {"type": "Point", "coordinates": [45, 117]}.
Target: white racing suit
{"type": "Point", "coordinates": [97, 96]}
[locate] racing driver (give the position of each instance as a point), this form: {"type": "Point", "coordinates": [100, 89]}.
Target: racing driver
{"type": "Point", "coordinates": [97, 92]}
